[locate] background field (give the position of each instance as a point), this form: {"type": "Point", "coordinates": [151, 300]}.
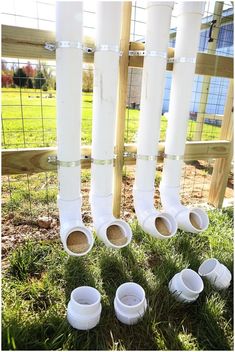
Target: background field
{"type": "Point", "coordinates": [29, 120]}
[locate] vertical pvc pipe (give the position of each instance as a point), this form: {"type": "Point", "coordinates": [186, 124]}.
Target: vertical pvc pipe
{"type": "Point", "coordinates": [188, 33]}
{"type": "Point", "coordinates": [161, 225]}
{"type": "Point", "coordinates": [114, 232]}
{"type": "Point", "coordinates": [77, 239]}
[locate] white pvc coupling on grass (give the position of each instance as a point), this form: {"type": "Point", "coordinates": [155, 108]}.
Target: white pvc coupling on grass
{"type": "Point", "coordinates": [84, 308]}
{"type": "Point", "coordinates": [115, 233]}
{"type": "Point", "coordinates": [130, 303]}
{"type": "Point", "coordinates": [217, 273]}
{"type": "Point", "coordinates": [157, 224]}
{"type": "Point", "coordinates": [189, 17]}
{"type": "Point", "coordinates": [186, 286]}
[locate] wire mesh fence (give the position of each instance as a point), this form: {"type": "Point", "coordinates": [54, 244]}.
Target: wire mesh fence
{"type": "Point", "coordinates": [29, 114]}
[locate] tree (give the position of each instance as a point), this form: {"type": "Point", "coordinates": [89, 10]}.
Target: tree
{"type": "Point", "coordinates": [29, 70]}
{"type": "Point", "coordinates": [7, 80]}
{"type": "Point", "coordinates": [29, 83]}
{"type": "Point", "coordinates": [20, 78]}
{"type": "Point", "coordinates": [39, 80]}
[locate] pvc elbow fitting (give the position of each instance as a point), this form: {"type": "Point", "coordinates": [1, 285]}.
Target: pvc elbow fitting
{"type": "Point", "coordinates": [186, 286]}
{"type": "Point", "coordinates": [77, 240]}
{"type": "Point", "coordinates": [193, 220]}
{"type": "Point", "coordinates": [115, 233]}
{"type": "Point", "coordinates": [130, 303]}
{"type": "Point", "coordinates": [84, 308]}
{"type": "Point", "coordinates": [217, 273]}
{"type": "Point", "coordinates": [159, 225]}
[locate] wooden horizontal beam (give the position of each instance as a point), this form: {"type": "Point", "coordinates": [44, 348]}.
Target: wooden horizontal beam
{"type": "Point", "coordinates": [30, 161]}
{"type": "Point", "coordinates": [27, 43]}
{"type": "Point", "coordinates": [206, 64]}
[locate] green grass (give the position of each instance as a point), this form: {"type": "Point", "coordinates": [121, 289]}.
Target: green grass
{"type": "Point", "coordinates": [37, 118]}
{"type": "Point", "coordinates": [40, 278]}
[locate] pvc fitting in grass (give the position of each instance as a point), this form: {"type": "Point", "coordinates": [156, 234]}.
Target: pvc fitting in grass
{"type": "Point", "coordinates": [217, 273]}
{"type": "Point", "coordinates": [186, 286]}
{"type": "Point", "coordinates": [130, 303]}
{"type": "Point", "coordinates": [84, 308]}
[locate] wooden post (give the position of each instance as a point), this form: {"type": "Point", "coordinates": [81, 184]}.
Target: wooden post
{"type": "Point", "coordinates": [223, 166]}
{"type": "Point", "coordinates": [121, 110]}
{"type": "Point", "coordinates": [217, 16]}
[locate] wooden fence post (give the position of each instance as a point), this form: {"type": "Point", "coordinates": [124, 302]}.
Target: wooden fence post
{"type": "Point", "coordinates": [121, 110]}
{"type": "Point", "coordinates": [222, 166]}
{"type": "Point", "coordinates": [217, 16]}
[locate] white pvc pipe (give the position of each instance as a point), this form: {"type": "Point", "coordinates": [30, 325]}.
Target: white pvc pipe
{"type": "Point", "coordinates": [130, 303]}
{"type": "Point", "coordinates": [160, 225]}
{"type": "Point", "coordinates": [77, 239]}
{"type": "Point", "coordinates": [188, 33]}
{"type": "Point", "coordinates": [217, 273]}
{"type": "Point", "coordinates": [186, 286]}
{"type": "Point", "coordinates": [84, 308]}
{"type": "Point", "coordinates": [113, 232]}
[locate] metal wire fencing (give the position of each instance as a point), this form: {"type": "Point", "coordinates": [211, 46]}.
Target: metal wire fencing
{"type": "Point", "coordinates": [29, 114]}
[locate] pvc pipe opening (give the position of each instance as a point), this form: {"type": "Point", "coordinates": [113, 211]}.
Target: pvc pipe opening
{"type": "Point", "coordinates": [207, 266]}
{"type": "Point", "coordinates": [118, 234]}
{"type": "Point", "coordinates": [79, 241]}
{"type": "Point", "coordinates": [86, 295]}
{"type": "Point", "coordinates": [130, 294]}
{"type": "Point", "coordinates": [192, 280]}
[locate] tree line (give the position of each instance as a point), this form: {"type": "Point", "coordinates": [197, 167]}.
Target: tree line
{"type": "Point", "coordinates": [39, 77]}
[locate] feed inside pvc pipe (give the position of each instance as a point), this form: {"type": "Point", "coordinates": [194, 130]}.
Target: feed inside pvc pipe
{"type": "Point", "coordinates": [162, 226]}
{"type": "Point", "coordinates": [191, 280]}
{"type": "Point", "coordinates": [116, 236]}
{"type": "Point", "coordinates": [77, 242]}
{"type": "Point", "coordinates": [195, 220]}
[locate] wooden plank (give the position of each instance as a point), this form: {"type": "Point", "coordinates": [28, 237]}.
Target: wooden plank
{"type": "Point", "coordinates": [29, 161]}
{"type": "Point", "coordinates": [26, 43]}
{"type": "Point", "coordinates": [206, 64]}
{"type": "Point", "coordinates": [121, 107]}
{"type": "Point", "coordinates": [222, 166]}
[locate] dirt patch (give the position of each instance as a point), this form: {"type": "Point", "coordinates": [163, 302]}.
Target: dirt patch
{"type": "Point", "coordinates": [196, 178]}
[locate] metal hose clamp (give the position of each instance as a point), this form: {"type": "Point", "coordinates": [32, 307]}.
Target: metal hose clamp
{"type": "Point", "coordinates": [152, 53]}
{"type": "Point", "coordinates": [102, 162]}
{"type": "Point", "coordinates": [182, 60]}
{"type": "Point", "coordinates": [52, 159]}
{"type": "Point", "coordinates": [146, 157]}
{"type": "Point", "coordinates": [107, 47]}
{"type": "Point", "coordinates": [173, 157]}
